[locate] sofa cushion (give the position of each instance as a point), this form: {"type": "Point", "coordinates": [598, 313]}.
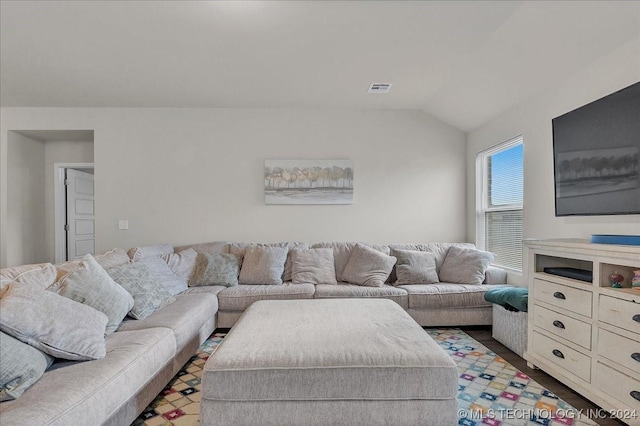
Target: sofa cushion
{"type": "Point", "coordinates": [240, 297]}
{"type": "Point", "coordinates": [263, 265]}
{"type": "Point", "coordinates": [346, 291]}
{"type": "Point", "coordinates": [465, 265]}
{"type": "Point", "coordinates": [240, 248]}
{"type": "Point", "coordinates": [342, 253]}
{"type": "Point", "coordinates": [182, 264]}
{"type": "Point", "coordinates": [138, 253]}
{"type": "Point", "coordinates": [446, 295]}
{"type": "Point", "coordinates": [314, 266]}
{"type": "Point", "coordinates": [90, 284]}
{"type": "Point", "coordinates": [115, 257]}
{"type": "Point", "coordinates": [415, 267]}
{"type": "Point", "coordinates": [209, 289]}
{"type": "Point", "coordinates": [42, 275]}
{"type": "Point", "coordinates": [368, 267]}
{"type": "Point", "coordinates": [148, 292]}
{"type": "Point", "coordinates": [214, 247]}
{"type": "Point", "coordinates": [164, 275]}
{"type": "Point", "coordinates": [88, 393]}
{"type": "Point", "coordinates": [20, 367]}
{"type": "Point", "coordinates": [184, 317]}
{"type": "Point", "coordinates": [53, 324]}
{"type": "Point", "coordinates": [216, 269]}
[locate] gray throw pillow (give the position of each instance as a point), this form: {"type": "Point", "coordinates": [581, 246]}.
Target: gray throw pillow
{"type": "Point", "coordinates": [54, 324]}
{"type": "Point", "coordinates": [165, 275]}
{"type": "Point", "coordinates": [216, 269]}
{"type": "Point", "coordinates": [21, 366]}
{"type": "Point", "coordinates": [368, 267]}
{"type": "Point", "coordinates": [415, 267]}
{"type": "Point", "coordinates": [149, 293]}
{"type": "Point", "coordinates": [314, 266]}
{"type": "Point", "coordinates": [263, 265]}
{"type": "Point", "coordinates": [465, 265]}
{"type": "Point", "coordinates": [90, 284]}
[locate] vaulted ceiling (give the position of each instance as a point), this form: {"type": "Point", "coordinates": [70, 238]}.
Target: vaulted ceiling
{"type": "Point", "coordinates": [463, 62]}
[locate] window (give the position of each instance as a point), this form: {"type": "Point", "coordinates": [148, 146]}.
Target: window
{"type": "Point", "coordinates": [499, 202]}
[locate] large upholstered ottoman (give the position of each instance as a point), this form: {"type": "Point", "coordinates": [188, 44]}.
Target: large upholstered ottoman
{"type": "Point", "coordinates": [343, 361]}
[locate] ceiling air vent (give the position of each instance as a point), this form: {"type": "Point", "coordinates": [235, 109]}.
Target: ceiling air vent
{"type": "Point", "coordinates": [379, 87]}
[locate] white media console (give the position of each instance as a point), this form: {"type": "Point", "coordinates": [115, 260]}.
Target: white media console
{"type": "Point", "coordinates": [586, 334]}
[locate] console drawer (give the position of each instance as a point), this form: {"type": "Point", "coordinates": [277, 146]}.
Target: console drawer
{"type": "Point", "coordinates": [567, 328]}
{"type": "Point", "coordinates": [621, 313]}
{"type": "Point", "coordinates": [619, 349]}
{"type": "Point", "coordinates": [620, 386]}
{"type": "Point", "coordinates": [564, 297]}
{"type": "Point", "coordinates": [562, 355]}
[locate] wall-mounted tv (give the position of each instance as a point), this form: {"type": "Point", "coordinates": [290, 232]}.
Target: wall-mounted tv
{"type": "Point", "coordinates": [595, 154]}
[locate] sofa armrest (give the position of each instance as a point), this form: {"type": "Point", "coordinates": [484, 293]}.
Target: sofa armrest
{"type": "Point", "coordinates": [494, 275]}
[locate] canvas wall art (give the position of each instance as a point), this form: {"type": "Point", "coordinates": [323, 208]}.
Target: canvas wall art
{"type": "Point", "coordinates": [308, 182]}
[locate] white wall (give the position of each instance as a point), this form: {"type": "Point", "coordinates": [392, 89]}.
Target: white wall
{"type": "Point", "coordinates": [194, 175]}
{"type": "Point", "coordinates": [60, 152]}
{"type": "Point", "coordinates": [25, 231]}
{"type": "Point", "coordinates": [532, 119]}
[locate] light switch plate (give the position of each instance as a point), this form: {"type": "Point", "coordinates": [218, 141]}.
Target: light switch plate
{"type": "Point", "coordinates": [123, 224]}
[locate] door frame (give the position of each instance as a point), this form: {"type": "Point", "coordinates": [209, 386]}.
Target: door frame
{"type": "Point", "coordinates": [60, 206]}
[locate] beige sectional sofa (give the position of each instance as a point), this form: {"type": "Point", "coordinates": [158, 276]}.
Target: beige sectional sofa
{"type": "Point", "coordinates": [143, 355]}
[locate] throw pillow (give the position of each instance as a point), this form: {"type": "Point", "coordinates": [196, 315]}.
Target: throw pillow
{"type": "Point", "coordinates": [368, 267]}
{"type": "Point", "coordinates": [41, 276]}
{"type": "Point", "coordinates": [415, 267]}
{"type": "Point", "coordinates": [239, 249]}
{"type": "Point", "coordinates": [216, 269]}
{"type": "Point", "coordinates": [115, 257]}
{"type": "Point", "coordinates": [54, 324]}
{"type": "Point", "coordinates": [465, 265]}
{"type": "Point", "coordinates": [90, 284]}
{"type": "Point", "coordinates": [263, 265]}
{"type": "Point", "coordinates": [165, 275]}
{"type": "Point", "coordinates": [138, 253]}
{"type": "Point", "coordinates": [21, 366]}
{"type": "Point", "coordinates": [148, 292]}
{"type": "Point", "coordinates": [182, 263]}
{"type": "Point", "coordinates": [313, 266]}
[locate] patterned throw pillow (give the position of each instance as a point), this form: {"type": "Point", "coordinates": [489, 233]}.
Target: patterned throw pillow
{"type": "Point", "coordinates": [165, 275]}
{"type": "Point", "coordinates": [216, 269]}
{"type": "Point", "coordinates": [368, 267]}
{"type": "Point", "coordinates": [415, 267]}
{"type": "Point", "coordinates": [21, 366]}
{"type": "Point", "coordinates": [465, 265]}
{"type": "Point", "coordinates": [263, 265]}
{"type": "Point", "coordinates": [90, 284]}
{"type": "Point", "coordinates": [54, 324]}
{"type": "Point", "coordinates": [149, 294]}
{"type": "Point", "coordinates": [313, 266]}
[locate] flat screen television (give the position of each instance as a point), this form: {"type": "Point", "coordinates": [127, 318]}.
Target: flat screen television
{"type": "Point", "coordinates": [595, 154]}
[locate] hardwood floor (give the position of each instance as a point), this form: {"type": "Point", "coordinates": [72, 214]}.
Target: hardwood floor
{"type": "Point", "coordinates": [483, 335]}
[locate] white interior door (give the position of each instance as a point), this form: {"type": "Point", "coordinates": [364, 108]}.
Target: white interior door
{"type": "Point", "coordinates": [80, 214]}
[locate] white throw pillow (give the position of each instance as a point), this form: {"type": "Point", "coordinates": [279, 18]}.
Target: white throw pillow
{"type": "Point", "coordinates": [465, 265]}
{"type": "Point", "coordinates": [54, 324]}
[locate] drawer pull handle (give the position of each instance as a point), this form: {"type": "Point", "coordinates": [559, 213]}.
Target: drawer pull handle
{"type": "Point", "coordinates": [636, 318]}
{"type": "Point", "coordinates": [635, 356]}
{"type": "Point", "coordinates": [558, 324]}
{"type": "Point", "coordinates": [559, 354]}
{"type": "Point", "coordinates": [559, 295]}
{"type": "Point", "coordinates": [635, 395]}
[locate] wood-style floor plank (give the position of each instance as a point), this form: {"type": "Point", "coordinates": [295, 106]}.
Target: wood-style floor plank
{"type": "Point", "coordinates": [483, 336]}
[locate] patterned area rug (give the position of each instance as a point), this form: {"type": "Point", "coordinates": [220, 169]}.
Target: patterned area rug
{"type": "Point", "coordinates": [490, 390]}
